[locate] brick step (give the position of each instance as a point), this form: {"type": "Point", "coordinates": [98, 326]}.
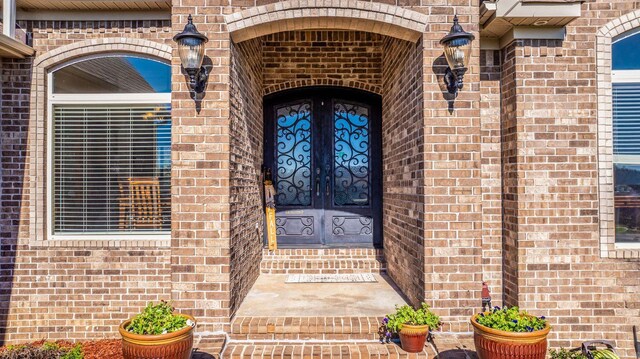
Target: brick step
{"type": "Point", "coordinates": [321, 266]}
{"type": "Point", "coordinates": [323, 261]}
{"type": "Point", "coordinates": [318, 350]}
{"type": "Point", "coordinates": [305, 328]}
{"type": "Point", "coordinates": [346, 253]}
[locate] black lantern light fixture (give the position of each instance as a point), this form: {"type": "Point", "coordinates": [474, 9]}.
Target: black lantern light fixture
{"type": "Point", "coordinates": [191, 51]}
{"type": "Point", "coordinates": [457, 48]}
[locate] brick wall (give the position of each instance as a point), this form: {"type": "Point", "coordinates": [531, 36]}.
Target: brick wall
{"type": "Point", "coordinates": [440, 169]}
{"type": "Point", "coordinates": [560, 272]}
{"type": "Point", "coordinates": [402, 163]}
{"type": "Point", "coordinates": [14, 202]}
{"type": "Point", "coordinates": [491, 172]}
{"type": "Point", "coordinates": [509, 156]}
{"type": "Point", "coordinates": [62, 290]}
{"type": "Point", "coordinates": [343, 58]}
{"type": "Point", "coordinates": [246, 132]}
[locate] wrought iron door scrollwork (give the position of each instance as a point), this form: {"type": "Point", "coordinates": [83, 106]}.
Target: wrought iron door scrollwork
{"type": "Point", "coordinates": [293, 154]}
{"type": "Point", "coordinates": [294, 226]}
{"type": "Point", "coordinates": [352, 226]}
{"type": "Point", "coordinates": [351, 155]}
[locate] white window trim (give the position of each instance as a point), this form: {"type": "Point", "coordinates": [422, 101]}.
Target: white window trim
{"type": "Point", "coordinates": [93, 99]}
{"type": "Point", "coordinates": [624, 76]}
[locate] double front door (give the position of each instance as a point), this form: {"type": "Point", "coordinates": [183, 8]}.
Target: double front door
{"type": "Point", "coordinates": [323, 147]}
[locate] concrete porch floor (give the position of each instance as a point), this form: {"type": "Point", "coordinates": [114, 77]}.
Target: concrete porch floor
{"type": "Point", "coordinates": [271, 296]}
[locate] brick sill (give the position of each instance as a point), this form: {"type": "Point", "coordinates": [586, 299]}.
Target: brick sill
{"type": "Point", "coordinates": [623, 251]}
{"type": "Point", "coordinates": [107, 242]}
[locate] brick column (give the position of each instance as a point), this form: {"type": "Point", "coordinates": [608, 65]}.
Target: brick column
{"type": "Point", "coordinates": [453, 193]}
{"type": "Point", "coordinates": [200, 176]}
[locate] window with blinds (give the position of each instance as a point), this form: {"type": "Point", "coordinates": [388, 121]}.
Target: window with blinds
{"type": "Point", "coordinates": [626, 136]}
{"type": "Point", "coordinates": [111, 147]}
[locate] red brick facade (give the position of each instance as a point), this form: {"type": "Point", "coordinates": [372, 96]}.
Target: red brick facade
{"type": "Point", "coordinates": [500, 184]}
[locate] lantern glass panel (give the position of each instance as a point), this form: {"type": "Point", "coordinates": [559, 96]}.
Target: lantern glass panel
{"type": "Point", "coordinates": [191, 51]}
{"type": "Point", "coordinates": [457, 53]}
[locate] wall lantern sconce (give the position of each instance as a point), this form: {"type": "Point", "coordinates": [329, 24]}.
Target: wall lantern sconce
{"type": "Point", "coordinates": [191, 51]}
{"type": "Point", "coordinates": [457, 48]}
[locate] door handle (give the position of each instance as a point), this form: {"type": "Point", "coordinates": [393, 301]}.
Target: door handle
{"type": "Point", "coordinates": [327, 179]}
{"type": "Point", "coordinates": [318, 182]}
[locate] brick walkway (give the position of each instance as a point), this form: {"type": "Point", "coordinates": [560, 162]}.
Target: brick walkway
{"type": "Point", "coordinates": [443, 347]}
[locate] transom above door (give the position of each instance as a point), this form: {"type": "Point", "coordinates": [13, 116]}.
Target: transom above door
{"type": "Point", "coordinates": [323, 146]}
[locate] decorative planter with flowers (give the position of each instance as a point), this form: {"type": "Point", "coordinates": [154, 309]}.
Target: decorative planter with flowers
{"type": "Point", "coordinates": [158, 333]}
{"type": "Point", "coordinates": [508, 333]}
{"type": "Point", "coordinates": [412, 325]}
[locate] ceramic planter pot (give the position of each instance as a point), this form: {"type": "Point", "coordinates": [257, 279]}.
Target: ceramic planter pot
{"type": "Point", "coordinates": [412, 337]}
{"type": "Point", "coordinates": [176, 345]}
{"type": "Point", "coordinates": [497, 344]}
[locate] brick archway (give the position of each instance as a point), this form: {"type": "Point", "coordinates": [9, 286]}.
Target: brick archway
{"type": "Point", "coordinates": [322, 82]}
{"type": "Point", "coordinates": [90, 47]}
{"type": "Point", "coordinates": [291, 15]}
{"type": "Point", "coordinates": [605, 36]}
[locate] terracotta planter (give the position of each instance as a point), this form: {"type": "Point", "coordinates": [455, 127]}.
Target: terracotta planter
{"type": "Point", "coordinates": [412, 337]}
{"type": "Point", "coordinates": [176, 345]}
{"type": "Point", "coordinates": [498, 344]}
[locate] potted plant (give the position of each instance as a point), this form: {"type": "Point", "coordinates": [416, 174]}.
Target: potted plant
{"type": "Point", "coordinates": [412, 325]}
{"type": "Point", "coordinates": [158, 332]}
{"type": "Point", "coordinates": [509, 333]}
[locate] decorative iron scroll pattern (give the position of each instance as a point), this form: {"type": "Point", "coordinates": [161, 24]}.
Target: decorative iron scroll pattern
{"type": "Point", "coordinates": [294, 226]}
{"type": "Point", "coordinates": [352, 226]}
{"type": "Point", "coordinates": [293, 154]}
{"type": "Point", "coordinates": [351, 155]}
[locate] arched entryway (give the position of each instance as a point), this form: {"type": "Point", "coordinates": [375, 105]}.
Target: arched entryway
{"type": "Point", "coordinates": [375, 75]}
{"type": "Point", "coordinates": [323, 146]}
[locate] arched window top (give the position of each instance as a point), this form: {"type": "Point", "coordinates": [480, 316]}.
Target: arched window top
{"type": "Point", "coordinates": [626, 51]}
{"type": "Point", "coordinates": [113, 74]}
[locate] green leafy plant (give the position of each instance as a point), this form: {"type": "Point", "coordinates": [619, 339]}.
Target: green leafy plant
{"type": "Point", "coordinates": [157, 319]}
{"type": "Point", "coordinates": [408, 315]}
{"type": "Point", "coordinates": [75, 353]}
{"type": "Point", "coordinates": [46, 350]}
{"type": "Point", "coordinates": [511, 320]}
{"type": "Point", "coordinates": [566, 354]}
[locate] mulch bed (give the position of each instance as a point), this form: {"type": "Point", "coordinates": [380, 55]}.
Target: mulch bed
{"type": "Point", "coordinates": [93, 349]}
{"type": "Point", "coordinates": [102, 349]}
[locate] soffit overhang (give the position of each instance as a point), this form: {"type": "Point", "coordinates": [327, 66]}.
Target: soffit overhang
{"type": "Point", "coordinates": [11, 48]}
{"type": "Point", "coordinates": [88, 5]}
{"type": "Point", "coordinates": [499, 18]}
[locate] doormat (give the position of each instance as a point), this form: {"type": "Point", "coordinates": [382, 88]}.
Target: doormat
{"type": "Point", "coordinates": [331, 278]}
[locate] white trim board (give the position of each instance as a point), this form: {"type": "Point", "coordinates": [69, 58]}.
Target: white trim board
{"type": "Point", "coordinates": [111, 15]}
{"type": "Point", "coordinates": [625, 76]}
{"type": "Point", "coordinates": [523, 33]}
